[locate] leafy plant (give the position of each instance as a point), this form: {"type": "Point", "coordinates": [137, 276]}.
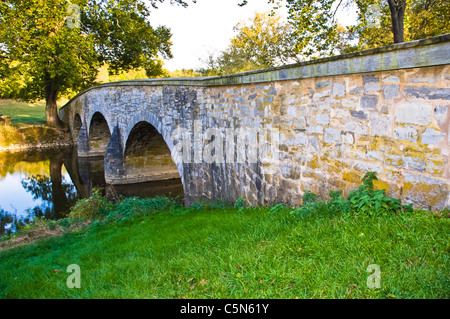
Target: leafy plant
{"type": "Point", "coordinates": [365, 201]}
{"type": "Point", "coordinates": [93, 207]}
{"type": "Point", "coordinates": [276, 208]}
{"type": "Point", "coordinates": [239, 204]}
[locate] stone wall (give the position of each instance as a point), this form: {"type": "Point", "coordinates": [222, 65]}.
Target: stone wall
{"type": "Point", "coordinates": [384, 110]}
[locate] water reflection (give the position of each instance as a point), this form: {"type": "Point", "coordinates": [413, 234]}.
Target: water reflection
{"type": "Point", "coordinates": [47, 183]}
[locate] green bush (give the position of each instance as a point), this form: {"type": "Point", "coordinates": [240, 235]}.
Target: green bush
{"type": "Point", "coordinates": [94, 207]}
{"type": "Point", "coordinates": [365, 201]}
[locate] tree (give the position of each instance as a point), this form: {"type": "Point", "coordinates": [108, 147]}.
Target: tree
{"type": "Point", "coordinates": [261, 43]}
{"type": "Point", "coordinates": [317, 31]}
{"type": "Point", "coordinates": [397, 9]}
{"type": "Point", "coordinates": [52, 47]}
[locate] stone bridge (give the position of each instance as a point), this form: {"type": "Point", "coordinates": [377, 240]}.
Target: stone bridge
{"type": "Point", "coordinates": [269, 135]}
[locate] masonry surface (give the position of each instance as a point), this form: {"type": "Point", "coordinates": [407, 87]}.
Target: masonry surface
{"type": "Point", "coordinates": [384, 110]}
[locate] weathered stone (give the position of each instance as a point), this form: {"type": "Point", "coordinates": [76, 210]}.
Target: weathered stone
{"type": "Point", "coordinates": [338, 89]}
{"type": "Point", "coordinates": [424, 191]}
{"type": "Point", "coordinates": [440, 113]}
{"type": "Point", "coordinates": [300, 123]}
{"type": "Point", "coordinates": [370, 78]}
{"type": "Point", "coordinates": [427, 92]}
{"type": "Point", "coordinates": [380, 126]}
{"type": "Point", "coordinates": [301, 139]}
{"type": "Point", "coordinates": [413, 163]}
{"type": "Point", "coordinates": [369, 101]}
{"type": "Point", "coordinates": [372, 87]}
{"type": "Point", "coordinates": [390, 78]}
{"type": "Point", "coordinates": [323, 119]}
{"type": "Point", "coordinates": [322, 94]}
{"type": "Point", "coordinates": [357, 90]}
{"type": "Point", "coordinates": [432, 136]}
{"type": "Point", "coordinates": [272, 91]}
{"type": "Point", "coordinates": [322, 84]}
{"type": "Point", "coordinates": [359, 114]}
{"type": "Point", "coordinates": [315, 129]}
{"type": "Point", "coordinates": [419, 78]}
{"type": "Point", "coordinates": [332, 136]}
{"type": "Point", "coordinates": [390, 91]}
{"type": "Point", "coordinates": [292, 111]}
{"type": "Point", "coordinates": [413, 113]}
{"type": "Point", "coordinates": [355, 127]}
{"type": "Point", "coordinates": [408, 133]}
{"type": "Point", "coordinates": [315, 144]}
{"type": "Point", "coordinates": [347, 138]}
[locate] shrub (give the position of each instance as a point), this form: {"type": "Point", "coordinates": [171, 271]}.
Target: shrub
{"type": "Point", "coordinates": [94, 207]}
{"type": "Point", "coordinates": [365, 201]}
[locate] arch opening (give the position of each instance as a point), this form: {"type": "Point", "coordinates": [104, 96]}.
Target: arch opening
{"type": "Point", "coordinates": [99, 135]}
{"type": "Point", "coordinates": [147, 156]}
{"type": "Point", "coordinates": [77, 124]}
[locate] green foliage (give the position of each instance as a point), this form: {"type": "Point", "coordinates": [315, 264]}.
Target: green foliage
{"type": "Point", "coordinates": [94, 207]}
{"type": "Point", "coordinates": [43, 56]}
{"type": "Point", "coordinates": [365, 201]}
{"type": "Point", "coordinates": [239, 204]}
{"type": "Point", "coordinates": [263, 42]}
{"type": "Point", "coordinates": [318, 33]}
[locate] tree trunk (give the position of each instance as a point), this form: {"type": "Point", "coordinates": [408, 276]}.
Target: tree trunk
{"type": "Point", "coordinates": [51, 109]}
{"type": "Point", "coordinates": [397, 9]}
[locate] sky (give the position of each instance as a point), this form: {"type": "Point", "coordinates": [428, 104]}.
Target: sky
{"type": "Point", "coordinates": [206, 27]}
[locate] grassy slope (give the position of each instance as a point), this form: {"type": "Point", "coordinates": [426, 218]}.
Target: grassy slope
{"type": "Point", "coordinates": [23, 113]}
{"type": "Point", "coordinates": [228, 253]}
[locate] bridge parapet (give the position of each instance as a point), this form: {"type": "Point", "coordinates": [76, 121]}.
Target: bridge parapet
{"type": "Point", "coordinates": [332, 120]}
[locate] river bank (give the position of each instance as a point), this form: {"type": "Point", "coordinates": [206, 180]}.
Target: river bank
{"type": "Point", "coordinates": [32, 137]}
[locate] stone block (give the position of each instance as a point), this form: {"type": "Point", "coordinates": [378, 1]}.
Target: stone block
{"type": "Point", "coordinates": [315, 129]}
{"type": "Point", "coordinates": [432, 136]}
{"type": "Point", "coordinates": [370, 78]}
{"type": "Point", "coordinates": [369, 101]}
{"type": "Point", "coordinates": [332, 136]}
{"type": "Point", "coordinates": [359, 114]}
{"type": "Point", "coordinates": [440, 113]}
{"type": "Point", "coordinates": [323, 119]}
{"type": "Point", "coordinates": [390, 91]}
{"type": "Point", "coordinates": [300, 123]}
{"type": "Point", "coordinates": [425, 192]}
{"type": "Point", "coordinates": [408, 133]}
{"type": "Point", "coordinates": [380, 126]}
{"type": "Point", "coordinates": [427, 92]}
{"type": "Point", "coordinates": [338, 89]}
{"type": "Point", "coordinates": [322, 84]}
{"type": "Point", "coordinates": [413, 113]}
{"type": "Point", "coordinates": [372, 87]}
{"type": "Point", "coordinates": [355, 127]}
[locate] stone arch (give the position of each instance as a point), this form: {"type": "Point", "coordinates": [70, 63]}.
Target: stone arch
{"type": "Point", "coordinates": [99, 134]}
{"type": "Point", "coordinates": [156, 123]}
{"type": "Point", "coordinates": [90, 114]}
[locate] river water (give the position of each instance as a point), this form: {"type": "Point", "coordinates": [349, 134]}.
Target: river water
{"type": "Point", "coordinates": [48, 182]}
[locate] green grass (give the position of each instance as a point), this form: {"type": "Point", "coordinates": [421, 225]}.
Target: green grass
{"type": "Point", "coordinates": [23, 113]}
{"type": "Point", "coordinates": [236, 252]}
